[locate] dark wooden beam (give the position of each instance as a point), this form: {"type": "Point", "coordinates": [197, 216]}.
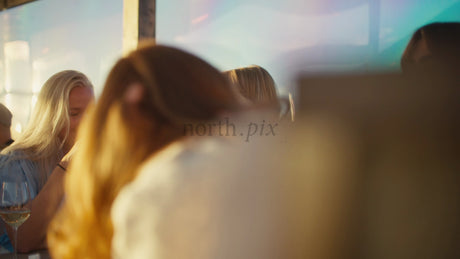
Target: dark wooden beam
{"type": "Point", "coordinates": [5, 4]}
{"type": "Point", "coordinates": [13, 3]}
{"type": "Point", "coordinates": [138, 22]}
{"type": "Point", "coordinates": [146, 19]}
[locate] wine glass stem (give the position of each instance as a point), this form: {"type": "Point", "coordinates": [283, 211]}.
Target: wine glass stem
{"type": "Point", "coordinates": [15, 242]}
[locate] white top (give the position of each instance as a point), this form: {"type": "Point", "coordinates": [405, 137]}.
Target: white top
{"type": "Point", "coordinates": [205, 197]}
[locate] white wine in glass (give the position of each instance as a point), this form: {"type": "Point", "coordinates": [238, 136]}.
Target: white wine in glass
{"type": "Point", "coordinates": [14, 217]}
{"type": "Point", "coordinates": [14, 195]}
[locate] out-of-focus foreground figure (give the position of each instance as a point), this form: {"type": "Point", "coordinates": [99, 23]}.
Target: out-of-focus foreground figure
{"type": "Point", "coordinates": [369, 171]}
{"type": "Point", "coordinates": [149, 99]}
{"type": "Point", "coordinates": [400, 137]}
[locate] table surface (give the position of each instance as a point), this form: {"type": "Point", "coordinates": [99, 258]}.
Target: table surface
{"type": "Point", "coordinates": [42, 254]}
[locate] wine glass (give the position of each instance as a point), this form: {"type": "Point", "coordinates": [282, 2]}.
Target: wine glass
{"type": "Point", "coordinates": [14, 194]}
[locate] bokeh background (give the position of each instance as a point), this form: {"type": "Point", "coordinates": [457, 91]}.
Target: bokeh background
{"type": "Point", "coordinates": [286, 37]}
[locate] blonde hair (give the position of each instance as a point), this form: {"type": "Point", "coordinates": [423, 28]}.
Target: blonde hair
{"type": "Point", "coordinates": [40, 142]}
{"type": "Point", "coordinates": [115, 138]}
{"type": "Point", "coordinates": [255, 83]}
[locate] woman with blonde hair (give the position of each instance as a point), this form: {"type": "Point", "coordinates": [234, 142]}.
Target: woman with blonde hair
{"type": "Point", "coordinates": [254, 83]}
{"type": "Point", "coordinates": [148, 99]}
{"type": "Point", "coordinates": [38, 154]}
{"type": "Point", "coordinates": [258, 86]}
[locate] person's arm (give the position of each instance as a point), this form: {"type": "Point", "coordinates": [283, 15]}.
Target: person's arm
{"type": "Point", "coordinates": [32, 234]}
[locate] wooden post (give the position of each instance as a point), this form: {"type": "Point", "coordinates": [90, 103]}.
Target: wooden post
{"type": "Point", "coordinates": [138, 23]}
{"type": "Point", "coordinates": [147, 19]}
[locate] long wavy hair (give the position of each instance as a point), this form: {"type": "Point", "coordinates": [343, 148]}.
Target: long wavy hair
{"type": "Point", "coordinates": [115, 138]}
{"type": "Point", "coordinates": [40, 141]}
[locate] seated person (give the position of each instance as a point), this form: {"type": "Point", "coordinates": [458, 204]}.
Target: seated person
{"type": "Point", "coordinates": [255, 83]}
{"type": "Point", "coordinates": [149, 98]}
{"type": "Point", "coordinates": [434, 47]}
{"type": "Point", "coordinates": [5, 124]}
{"type": "Point", "coordinates": [258, 86]}
{"type": "Point", "coordinates": [39, 154]}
